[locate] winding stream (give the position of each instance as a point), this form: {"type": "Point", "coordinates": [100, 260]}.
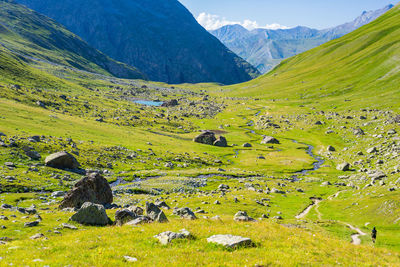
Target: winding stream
{"type": "Point", "coordinates": [316, 165]}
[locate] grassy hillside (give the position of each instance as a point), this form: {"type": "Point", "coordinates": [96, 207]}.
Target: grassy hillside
{"type": "Point", "coordinates": [35, 37]}
{"type": "Point", "coordinates": [362, 66]}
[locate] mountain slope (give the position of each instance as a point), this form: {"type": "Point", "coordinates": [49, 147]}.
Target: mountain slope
{"type": "Point", "coordinates": [363, 65]}
{"type": "Point", "coordinates": [33, 36]}
{"type": "Point", "coordinates": [266, 48]}
{"type": "Point", "coordinates": [160, 37]}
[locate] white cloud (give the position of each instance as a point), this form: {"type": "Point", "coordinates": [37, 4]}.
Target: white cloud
{"type": "Point", "coordinates": [212, 22]}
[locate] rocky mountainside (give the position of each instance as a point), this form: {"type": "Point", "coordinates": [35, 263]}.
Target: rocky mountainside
{"type": "Point", "coordinates": [33, 36]}
{"type": "Point", "coordinates": [266, 48]}
{"type": "Point", "coordinates": [159, 37]}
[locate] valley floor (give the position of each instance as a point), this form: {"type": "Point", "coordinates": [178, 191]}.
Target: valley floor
{"type": "Point", "coordinates": [311, 212]}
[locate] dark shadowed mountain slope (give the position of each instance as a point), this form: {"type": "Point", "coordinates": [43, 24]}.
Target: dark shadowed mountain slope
{"type": "Point", "coordinates": [34, 36]}
{"type": "Point", "coordinates": [159, 37]}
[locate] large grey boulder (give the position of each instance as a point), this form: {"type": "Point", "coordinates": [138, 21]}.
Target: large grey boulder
{"type": "Point", "coordinates": [343, 167]}
{"type": "Point", "coordinates": [230, 241]}
{"type": "Point", "coordinates": [241, 216]}
{"type": "Point", "coordinates": [207, 138]}
{"type": "Point", "coordinates": [124, 216]}
{"type": "Point", "coordinates": [92, 188]}
{"type": "Point", "coordinates": [221, 142]}
{"type": "Point", "coordinates": [269, 140]}
{"type": "Point", "coordinates": [167, 237]}
{"type": "Point", "coordinates": [62, 160]}
{"type": "Point", "coordinates": [185, 213]}
{"type": "Point", "coordinates": [91, 214]}
{"type": "Point", "coordinates": [154, 213]}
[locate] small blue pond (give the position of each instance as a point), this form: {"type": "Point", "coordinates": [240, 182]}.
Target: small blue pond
{"type": "Point", "coordinates": [149, 103]}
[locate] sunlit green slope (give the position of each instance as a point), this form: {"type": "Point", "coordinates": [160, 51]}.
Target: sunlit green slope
{"type": "Point", "coordinates": [363, 66]}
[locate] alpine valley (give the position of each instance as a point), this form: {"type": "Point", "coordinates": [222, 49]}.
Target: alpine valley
{"type": "Point", "coordinates": [131, 138]}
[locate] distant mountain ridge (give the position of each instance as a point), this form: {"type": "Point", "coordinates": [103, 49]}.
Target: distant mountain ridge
{"type": "Point", "coordinates": [265, 48]}
{"type": "Point", "coordinates": [159, 37]}
{"type": "Point", "coordinates": [31, 35]}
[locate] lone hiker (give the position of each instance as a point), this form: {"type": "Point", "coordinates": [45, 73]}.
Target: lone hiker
{"type": "Point", "coordinates": [373, 234]}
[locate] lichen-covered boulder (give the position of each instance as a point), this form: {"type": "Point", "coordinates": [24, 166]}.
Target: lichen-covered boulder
{"type": "Point", "coordinates": [92, 188]}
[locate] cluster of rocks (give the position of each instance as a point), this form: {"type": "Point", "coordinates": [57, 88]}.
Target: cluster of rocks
{"type": "Point", "coordinates": [208, 138]}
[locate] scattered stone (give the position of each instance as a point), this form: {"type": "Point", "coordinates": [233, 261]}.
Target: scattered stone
{"type": "Point", "coordinates": [137, 210]}
{"type": "Point", "coordinates": [4, 218]}
{"type": "Point", "coordinates": [162, 205]}
{"type": "Point", "coordinates": [230, 241]}
{"type": "Point", "coordinates": [331, 149]}
{"type": "Point", "coordinates": [91, 214]}
{"type": "Point", "coordinates": [372, 150]}
{"type": "Point", "coordinates": [92, 188]}
{"type": "Point", "coordinates": [154, 213]}
{"type": "Point", "coordinates": [58, 194]}
{"type": "Point", "coordinates": [38, 236]}
{"type": "Point", "coordinates": [216, 202]}
{"type": "Point", "coordinates": [140, 220]}
{"type": "Point", "coordinates": [269, 140]}
{"type": "Point", "coordinates": [170, 103]}
{"type": "Point", "coordinates": [185, 213]}
{"type": "Point", "coordinates": [40, 104]}
{"type": "Point", "coordinates": [10, 164]}
{"type": "Point", "coordinates": [33, 155]}
{"type": "Point", "coordinates": [223, 187]}
{"type": "Point", "coordinates": [343, 167]}
{"type": "Point", "coordinates": [30, 210]}
{"type": "Point", "coordinates": [31, 224]}
{"type": "Point", "coordinates": [166, 237]}
{"type": "Point", "coordinates": [62, 160]}
{"type": "Point", "coordinates": [6, 206]}
{"type": "Point", "coordinates": [377, 175]}
{"type": "Point", "coordinates": [241, 216]}
{"type": "Point", "coordinates": [358, 131]}
{"type": "Point", "coordinates": [277, 191]}
{"type": "Point", "coordinates": [124, 216]}
{"type": "Point", "coordinates": [130, 259]}
{"type": "Point", "coordinates": [69, 226]}
{"type": "Point", "coordinates": [247, 145]}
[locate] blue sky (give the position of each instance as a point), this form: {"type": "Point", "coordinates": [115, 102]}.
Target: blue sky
{"type": "Point", "coordinates": [318, 14]}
